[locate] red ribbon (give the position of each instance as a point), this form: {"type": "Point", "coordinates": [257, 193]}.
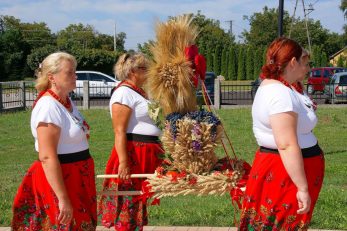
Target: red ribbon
{"type": "Point", "coordinates": [236, 194]}
{"type": "Point", "coordinates": [198, 63]}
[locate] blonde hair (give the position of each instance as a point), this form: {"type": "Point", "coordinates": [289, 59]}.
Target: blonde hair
{"type": "Point", "coordinates": [127, 62]}
{"type": "Point", "coordinates": [51, 65]}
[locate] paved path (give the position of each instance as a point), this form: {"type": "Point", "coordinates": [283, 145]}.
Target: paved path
{"type": "Point", "coordinates": [175, 228]}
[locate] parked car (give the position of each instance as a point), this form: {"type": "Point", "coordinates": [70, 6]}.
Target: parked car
{"type": "Point", "coordinates": [209, 83]}
{"type": "Point", "coordinates": [336, 90]}
{"type": "Point", "coordinates": [100, 84]}
{"type": "Point", "coordinates": [319, 76]}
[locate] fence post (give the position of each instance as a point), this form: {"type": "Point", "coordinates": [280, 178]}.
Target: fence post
{"type": "Point", "coordinates": [86, 101]}
{"type": "Point", "coordinates": [217, 94]}
{"type": "Point", "coordinates": [1, 106]}
{"type": "Point", "coordinates": [22, 86]}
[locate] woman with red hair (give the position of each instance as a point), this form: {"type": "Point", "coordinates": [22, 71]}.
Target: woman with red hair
{"type": "Point", "coordinates": [288, 168]}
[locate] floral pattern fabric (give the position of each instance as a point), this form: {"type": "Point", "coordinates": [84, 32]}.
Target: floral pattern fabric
{"type": "Point", "coordinates": [127, 213]}
{"type": "Point", "coordinates": [36, 205]}
{"type": "Point", "coordinates": [270, 199]}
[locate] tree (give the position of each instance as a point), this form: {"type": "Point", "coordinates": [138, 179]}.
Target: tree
{"type": "Point", "coordinates": [209, 60]}
{"type": "Point", "coordinates": [340, 61]}
{"type": "Point", "coordinates": [211, 35]}
{"type": "Point", "coordinates": [76, 37]}
{"type": "Point", "coordinates": [37, 55]}
{"type": "Point", "coordinates": [258, 61]}
{"type": "Point", "coordinates": [146, 48]}
{"type": "Point", "coordinates": [13, 55]}
{"type": "Point", "coordinates": [249, 62]}
{"type": "Point", "coordinates": [120, 41]}
{"type": "Point", "coordinates": [224, 62]}
{"type": "Point", "coordinates": [217, 60]}
{"type": "Point", "coordinates": [264, 30]}
{"type": "Point", "coordinates": [232, 66]}
{"type": "Point", "coordinates": [324, 60]}
{"type": "Point", "coordinates": [241, 71]}
{"type": "Point", "coordinates": [96, 59]}
{"type": "Point", "coordinates": [316, 56]}
{"type": "Point", "coordinates": [35, 34]}
{"type": "Point", "coordinates": [263, 27]}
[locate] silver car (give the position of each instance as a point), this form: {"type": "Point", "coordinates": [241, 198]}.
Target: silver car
{"type": "Point", "coordinates": [100, 84]}
{"type": "Point", "coordinates": [336, 90]}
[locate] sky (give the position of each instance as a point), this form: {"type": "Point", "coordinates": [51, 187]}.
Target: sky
{"type": "Point", "coordinates": [137, 17]}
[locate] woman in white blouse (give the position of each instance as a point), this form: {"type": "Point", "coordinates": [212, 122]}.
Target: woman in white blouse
{"type": "Point", "coordinates": [58, 191]}
{"type": "Point", "coordinates": [288, 168]}
{"type": "Point", "coordinates": [136, 147]}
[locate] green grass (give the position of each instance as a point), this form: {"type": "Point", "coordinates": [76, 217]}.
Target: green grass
{"type": "Point", "coordinates": [17, 153]}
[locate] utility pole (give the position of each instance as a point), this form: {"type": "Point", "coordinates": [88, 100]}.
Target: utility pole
{"type": "Point", "coordinates": [309, 10]}
{"type": "Point", "coordinates": [230, 27]}
{"type": "Point", "coordinates": [280, 18]}
{"type": "Point", "coordinates": [115, 38]}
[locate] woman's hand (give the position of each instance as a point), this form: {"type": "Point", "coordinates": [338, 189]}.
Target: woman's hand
{"type": "Point", "coordinates": [66, 211]}
{"type": "Point", "coordinates": [304, 201]}
{"type": "Point", "coordinates": [123, 171]}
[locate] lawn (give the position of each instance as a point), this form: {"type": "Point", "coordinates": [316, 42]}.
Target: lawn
{"type": "Point", "coordinates": [17, 153]}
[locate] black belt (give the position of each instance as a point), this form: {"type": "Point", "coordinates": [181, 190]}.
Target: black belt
{"type": "Point", "coordinates": [74, 157]}
{"type": "Point", "coordinates": [306, 152]}
{"type": "Point", "coordinates": [142, 138]}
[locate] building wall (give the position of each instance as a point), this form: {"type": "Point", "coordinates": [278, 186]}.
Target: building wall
{"type": "Point", "coordinates": [334, 60]}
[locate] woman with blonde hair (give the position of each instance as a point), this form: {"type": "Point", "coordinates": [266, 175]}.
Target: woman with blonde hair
{"type": "Point", "coordinates": [136, 146]}
{"type": "Point", "coordinates": [58, 191]}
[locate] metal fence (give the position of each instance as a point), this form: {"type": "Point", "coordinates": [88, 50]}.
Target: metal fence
{"type": "Point", "coordinates": [20, 95]}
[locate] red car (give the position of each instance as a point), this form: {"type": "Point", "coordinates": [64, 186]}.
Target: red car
{"type": "Point", "coordinates": [319, 76]}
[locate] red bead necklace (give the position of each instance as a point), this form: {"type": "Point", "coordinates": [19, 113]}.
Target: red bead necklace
{"type": "Point", "coordinates": [297, 86]}
{"type": "Point", "coordinates": [66, 104]}
{"type": "Point", "coordinates": [284, 82]}
{"type": "Point", "coordinates": [38, 97]}
{"type": "Point", "coordinates": [136, 88]}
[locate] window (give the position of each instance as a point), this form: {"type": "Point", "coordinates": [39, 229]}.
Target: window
{"type": "Point", "coordinates": [82, 76]}
{"type": "Point", "coordinates": [343, 80]}
{"type": "Point", "coordinates": [95, 77]}
{"type": "Point", "coordinates": [326, 74]}
{"type": "Point", "coordinates": [316, 73]}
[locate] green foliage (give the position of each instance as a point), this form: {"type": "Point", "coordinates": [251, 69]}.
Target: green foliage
{"type": "Point", "coordinates": [250, 62]}
{"type": "Point", "coordinates": [145, 48]}
{"type": "Point", "coordinates": [96, 59]}
{"type": "Point", "coordinates": [316, 56]}
{"type": "Point", "coordinates": [264, 27]}
{"type": "Point", "coordinates": [38, 54]}
{"type": "Point", "coordinates": [232, 65]}
{"type": "Point", "coordinates": [211, 35]}
{"type": "Point", "coordinates": [217, 60]}
{"type": "Point", "coordinates": [209, 60]}
{"type": "Point", "coordinates": [13, 55]}
{"type": "Point", "coordinates": [76, 37]}
{"type": "Point", "coordinates": [324, 59]}
{"type": "Point", "coordinates": [264, 30]}
{"type": "Point", "coordinates": [241, 66]}
{"type": "Point", "coordinates": [340, 61]}
{"type": "Point", "coordinates": [224, 64]}
{"type": "Point", "coordinates": [258, 61]}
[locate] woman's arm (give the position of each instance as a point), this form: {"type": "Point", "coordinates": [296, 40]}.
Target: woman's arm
{"type": "Point", "coordinates": [120, 119]}
{"type": "Point", "coordinates": [48, 138]}
{"type": "Point", "coordinates": [285, 133]}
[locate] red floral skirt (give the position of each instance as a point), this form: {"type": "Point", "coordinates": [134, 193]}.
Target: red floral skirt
{"type": "Point", "coordinates": [128, 212]}
{"type": "Point", "coordinates": [270, 202]}
{"type": "Point", "coordinates": [36, 205]}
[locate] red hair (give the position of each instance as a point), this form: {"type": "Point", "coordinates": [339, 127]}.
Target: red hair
{"type": "Point", "coordinates": [278, 54]}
